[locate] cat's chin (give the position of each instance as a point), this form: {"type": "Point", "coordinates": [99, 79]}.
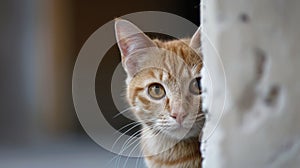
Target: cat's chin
{"type": "Point", "coordinates": [182, 133]}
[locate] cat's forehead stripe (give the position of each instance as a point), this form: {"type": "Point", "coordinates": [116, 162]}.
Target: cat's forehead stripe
{"type": "Point", "coordinates": [160, 75]}
{"type": "Point", "coordinates": [151, 73]}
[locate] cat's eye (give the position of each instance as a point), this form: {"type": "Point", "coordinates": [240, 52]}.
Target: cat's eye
{"type": "Point", "coordinates": [156, 91]}
{"type": "Point", "coordinates": [195, 86]}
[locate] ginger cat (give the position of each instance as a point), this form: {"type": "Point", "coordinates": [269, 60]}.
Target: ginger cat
{"type": "Point", "coordinates": [163, 88]}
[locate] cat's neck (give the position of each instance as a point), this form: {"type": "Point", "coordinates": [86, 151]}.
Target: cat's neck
{"type": "Point", "coordinates": [163, 151]}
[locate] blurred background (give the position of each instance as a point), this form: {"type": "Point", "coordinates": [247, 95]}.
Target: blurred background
{"type": "Point", "coordinates": [40, 40]}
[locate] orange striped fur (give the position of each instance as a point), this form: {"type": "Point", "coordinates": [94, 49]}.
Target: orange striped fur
{"type": "Point", "coordinates": [172, 124]}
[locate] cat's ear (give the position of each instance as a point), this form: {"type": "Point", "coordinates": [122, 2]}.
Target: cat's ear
{"type": "Point", "coordinates": [195, 41]}
{"type": "Point", "coordinates": [131, 39]}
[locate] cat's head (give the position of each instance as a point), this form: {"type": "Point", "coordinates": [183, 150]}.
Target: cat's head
{"type": "Point", "coordinates": [163, 81]}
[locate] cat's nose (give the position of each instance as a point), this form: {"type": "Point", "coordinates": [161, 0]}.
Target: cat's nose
{"type": "Point", "coordinates": [178, 116]}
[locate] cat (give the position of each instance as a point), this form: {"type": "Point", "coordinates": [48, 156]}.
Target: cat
{"type": "Point", "coordinates": [164, 91]}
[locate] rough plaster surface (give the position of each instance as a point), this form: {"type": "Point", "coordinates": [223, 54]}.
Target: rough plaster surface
{"type": "Point", "coordinates": [252, 65]}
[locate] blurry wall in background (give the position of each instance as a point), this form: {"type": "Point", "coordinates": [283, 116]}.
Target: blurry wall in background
{"type": "Point", "coordinates": [17, 71]}
{"type": "Point", "coordinates": [36, 51]}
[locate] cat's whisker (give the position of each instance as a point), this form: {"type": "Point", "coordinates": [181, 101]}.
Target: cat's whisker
{"type": "Point", "coordinates": [140, 155]}
{"type": "Point", "coordinates": [123, 150]}
{"type": "Point", "coordinates": [144, 145]}
{"type": "Point", "coordinates": [135, 122]}
{"type": "Point", "coordinates": [128, 140]}
{"type": "Point", "coordinates": [109, 162]}
{"type": "Point", "coordinates": [126, 145]}
{"type": "Point", "coordinates": [145, 120]}
{"type": "Point", "coordinates": [164, 125]}
{"type": "Point", "coordinates": [125, 110]}
{"type": "Point", "coordinates": [134, 148]}
{"type": "Point", "coordinates": [127, 125]}
{"type": "Point", "coordinates": [149, 135]}
{"type": "Point", "coordinates": [131, 138]}
{"type": "Point", "coordinates": [123, 135]}
{"type": "Point", "coordinates": [138, 159]}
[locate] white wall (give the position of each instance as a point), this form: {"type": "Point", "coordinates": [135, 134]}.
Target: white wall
{"type": "Point", "coordinates": [252, 65]}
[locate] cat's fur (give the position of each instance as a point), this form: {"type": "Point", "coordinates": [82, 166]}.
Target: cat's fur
{"type": "Point", "coordinates": [172, 124]}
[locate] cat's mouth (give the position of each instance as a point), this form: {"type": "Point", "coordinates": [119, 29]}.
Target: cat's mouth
{"type": "Point", "coordinates": [180, 131]}
{"type": "Point", "coordinates": [183, 133]}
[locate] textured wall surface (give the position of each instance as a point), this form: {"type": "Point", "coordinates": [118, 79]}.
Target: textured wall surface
{"type": "Point", "coordinates": [251, 83]}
